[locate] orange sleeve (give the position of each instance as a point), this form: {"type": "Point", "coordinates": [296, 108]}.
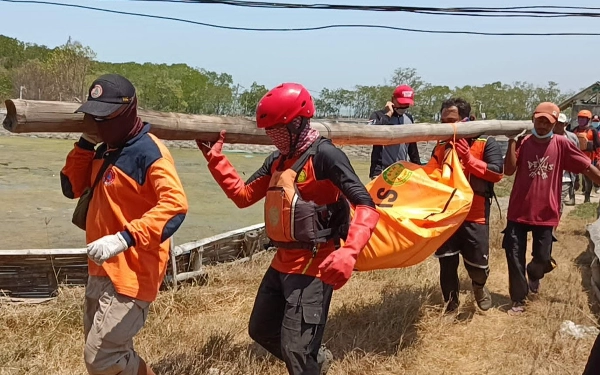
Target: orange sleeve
{"type": "Point", "coordinates": [243, 194]}
{"type": "Point", "coordinates": [164, 219]}
{"type": "Point", "coordinates": [76, 175]}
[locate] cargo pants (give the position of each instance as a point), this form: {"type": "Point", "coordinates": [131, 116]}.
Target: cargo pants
{"type": "Point", "coordinates": [288, 319]}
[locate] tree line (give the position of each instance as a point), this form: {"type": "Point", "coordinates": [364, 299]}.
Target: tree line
{"type": "Point", "coordinates": [65, 72]}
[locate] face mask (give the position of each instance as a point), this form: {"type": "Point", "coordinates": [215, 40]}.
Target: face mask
{"type": "Point", "coordinates": [400, 111]}
{"type": "Point", "coordinates": [117, 131]}
{"type": "Point", "coordinates": [535, 134]}
{"type": "Point", "coordinates": [595, 124]}
{"type": "Point", "coordinates": [282, 137]}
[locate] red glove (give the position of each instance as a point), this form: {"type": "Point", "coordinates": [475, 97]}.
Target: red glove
{"type": "Point", "coordinates": [208, 149]}
{"type": "Point", "coordinates": [471, 164]}
{"type": "Point", "coordinates": [463, 150]}
{"type": "Point", "coordinates": [221, 169]}
{"type": "Point", "coordinates": [337, 268]}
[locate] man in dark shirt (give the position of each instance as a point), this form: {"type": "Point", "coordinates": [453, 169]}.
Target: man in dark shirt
{"type": "Point", "coordinates": [483, 165]}
{"type": "Point", "coordinates": [394, 113]}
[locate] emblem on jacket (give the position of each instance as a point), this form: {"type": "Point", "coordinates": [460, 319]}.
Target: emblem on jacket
{"type": "Point", "coordinates": [109, 177]}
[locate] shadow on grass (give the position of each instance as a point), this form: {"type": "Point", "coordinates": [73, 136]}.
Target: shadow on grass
{"type": "Point", "coordinates": [219, 354]}
{"type": "Point", "coordinates": [384, 327]}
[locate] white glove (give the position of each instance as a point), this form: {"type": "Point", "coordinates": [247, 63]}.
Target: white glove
{"type": "Point", "coordinates": [517, 135]}
{"type": "Point", "coordinates": [106, 247]}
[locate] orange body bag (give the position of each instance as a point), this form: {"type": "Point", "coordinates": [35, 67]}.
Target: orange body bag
{"type": "Point", "coordinates": [420, 207]}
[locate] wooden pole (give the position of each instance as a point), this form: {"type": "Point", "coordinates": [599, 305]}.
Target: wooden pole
{"type": "Point", "coordinates": [35, 116]}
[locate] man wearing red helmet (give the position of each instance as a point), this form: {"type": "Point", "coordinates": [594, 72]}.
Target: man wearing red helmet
{"type": "Point", "coordinates": [307, 184]}
{"type": "Point", "coordinates": [394, 114]}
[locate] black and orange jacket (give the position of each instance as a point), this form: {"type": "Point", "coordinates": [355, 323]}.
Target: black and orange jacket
{"type": "Point", "coordinates": [141, 196]}
{"type": "Point", "coordinates": [323, 178]}
{"type": "Point", "coordinates": [593, 145]}
{"type": "Point", "coordinates": [488, 150]}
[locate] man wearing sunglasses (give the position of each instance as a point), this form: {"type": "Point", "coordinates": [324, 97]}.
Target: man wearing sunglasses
{"type": "Point", "coordinates": [137, 204]}
{"type": "Point", "coordinates": [394, 113]}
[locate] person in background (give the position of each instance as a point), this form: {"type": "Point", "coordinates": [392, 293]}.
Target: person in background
{"type": "Point", "coordinates": [482, 161]}
{"type": "Point", "coordinates": [589, 143]}
{"type": "Point", "coordinates": [137, 205]}
{"type": "Point", "coordinates": [596, 122]}
{"type": "Point", "coordinates": [292, 304]}
{"type": "Point", "coordinates": [568, 179]}
{"type": "Point", "coordinates": [538, 160]}
{"type": "Point", "coordinates": [394, 114]}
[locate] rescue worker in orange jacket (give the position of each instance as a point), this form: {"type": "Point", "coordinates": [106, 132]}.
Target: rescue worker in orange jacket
{"type": "Point", "coordinates": [589, 143]}
{"type": "Point", "coordinates": [137, 204]}
{"type": "Point", "coordinates": [483, 165]}
{"type": "Point", "coordinates": [307, 184]}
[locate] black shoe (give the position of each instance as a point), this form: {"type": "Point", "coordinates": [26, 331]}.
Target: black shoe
{"type": "Point", "coordinates": [482, 297]}
{"type": "Point", "coordinates": [451, 307]}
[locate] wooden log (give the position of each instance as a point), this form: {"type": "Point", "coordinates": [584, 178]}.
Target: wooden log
{"type": "Point", "coordinates": [31, 116]}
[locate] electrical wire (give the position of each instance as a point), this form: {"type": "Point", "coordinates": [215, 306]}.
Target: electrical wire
{"type": "Point", "coordinates": [384, 27]}
{"type": "Point", "coordinates": [520, 11]}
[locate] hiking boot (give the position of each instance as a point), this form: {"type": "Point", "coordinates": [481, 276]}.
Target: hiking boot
{"type": "Point", "coordinates": [324, 358]}
{"type": "Point", "coordinates": [534, 286]}
{"type": "Point", "coordinates": [482, 297]}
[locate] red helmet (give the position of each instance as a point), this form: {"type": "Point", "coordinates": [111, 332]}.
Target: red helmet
{"type": "Point", "coordinates": [283, 104]}
{"type": "Point", "coordinates": [404, 94]}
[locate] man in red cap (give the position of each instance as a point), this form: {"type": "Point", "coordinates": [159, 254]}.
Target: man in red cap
{"type": "Point", "coordinates": [539, 160]}
{"type": "Point", "coordinates": [394, 113]}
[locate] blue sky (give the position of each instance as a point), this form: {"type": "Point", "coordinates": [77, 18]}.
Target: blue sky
{"type": "Point", "coordinates": [331, 58]}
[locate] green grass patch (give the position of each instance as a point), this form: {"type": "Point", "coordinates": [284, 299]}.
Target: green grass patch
{"type": "Point", "coordinates": [504, 187]}
{"type": "Point", "coordinates": [585, 211]}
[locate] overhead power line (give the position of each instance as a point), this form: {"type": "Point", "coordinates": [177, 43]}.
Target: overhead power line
{"type": "Point", "coordinates": [288, 29]}
{"type": "Point", "coordinates": [536, 11]}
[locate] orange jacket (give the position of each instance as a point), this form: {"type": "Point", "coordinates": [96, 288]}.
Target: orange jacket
{"type": "Point", "coordinates": [141, 196]}
{"type": "Point", "coordinates": [593, 141]}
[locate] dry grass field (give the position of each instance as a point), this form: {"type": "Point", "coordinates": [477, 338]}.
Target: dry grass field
{"type": "Point", "coordinates": [383, 322]}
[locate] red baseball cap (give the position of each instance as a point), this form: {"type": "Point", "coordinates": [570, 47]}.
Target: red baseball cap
{"type": "Point", "coordinates": [547, 110]}
{"type": "Point", "coordinates": [404, 94]}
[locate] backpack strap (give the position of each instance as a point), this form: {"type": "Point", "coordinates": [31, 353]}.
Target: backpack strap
{"type": "Point", "coordinates": [101, 172]}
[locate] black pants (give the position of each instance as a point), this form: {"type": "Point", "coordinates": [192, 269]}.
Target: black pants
{"type": "Point", "coordinates": [288, 319]}
{"type": "Point", "coordinates": [515, 245]}
{"type": "Point", "coordinates": [472, 241]}
{"type": "Point", "coordinates": [592, 366]}
{"type": "Point", "coordinates": [588, 184]}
